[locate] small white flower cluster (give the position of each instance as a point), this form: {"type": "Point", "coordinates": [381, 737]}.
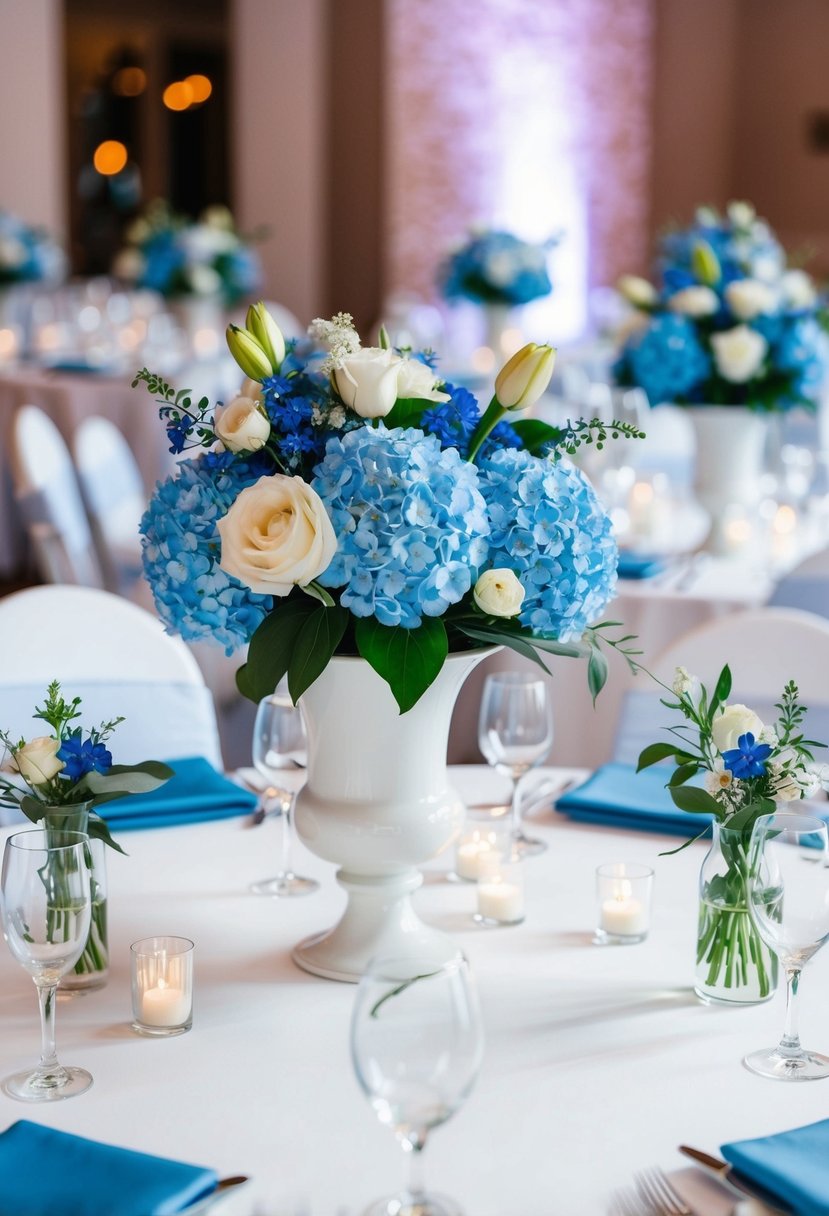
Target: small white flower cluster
{"type": "Point", "coordinates": [339, 335]}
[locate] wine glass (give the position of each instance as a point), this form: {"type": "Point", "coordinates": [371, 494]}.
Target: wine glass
{"type": "Point", "coordinates": [515, 732]}
{"type": "Point", "coordinates": [279, 743]}
{"type": "Point", "coordinates": [788, 898]}
{"type": "Point", "coordinates": [46, 910]}
{"type": "Point", "coordinates": [416, 1046]}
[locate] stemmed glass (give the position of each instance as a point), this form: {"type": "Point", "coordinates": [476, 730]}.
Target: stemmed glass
{"type": "Point", "coordinates": [279, 743]}
{"type": "Point", "coordinates": [46, 909]}
{"type": "Point", "coordinates": [416, 1045]}
{"type": "Point", "coordinates": [788, 898]}
{"type": "Point", "coordinates": [515, 732]}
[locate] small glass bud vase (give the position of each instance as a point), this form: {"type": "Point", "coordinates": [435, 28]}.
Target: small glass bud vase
{"type": "Point", "coordinates": [734, 967]}
{"type": "Point", "coordinates": [92, 968]}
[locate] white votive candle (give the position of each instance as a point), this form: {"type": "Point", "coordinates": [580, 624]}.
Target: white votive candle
{"type": "Point", "coordinates": [624, 902]}
{"type": "Point", "coordinates": [474, 847]}
{"type": "Point", "coordinates": [623, 917]}
{"type": "Point", "coordinates": [501, 901]}
{"type": "Point", "coordinates": [164, 1006]}
{"type": "Point", "coordinates": [162, 985]}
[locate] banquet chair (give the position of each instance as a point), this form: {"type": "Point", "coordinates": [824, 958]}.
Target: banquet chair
{"type": "Point", "coordinates": [49, 500]}
{"type": "Point", "coordinates": [764, 648]}
{"type": "Point", "coordinates": [114, 656]}
{"type": "Point", "coordinates": [806, 587]}
{"type": "Point", "coordinates": [113, 492]}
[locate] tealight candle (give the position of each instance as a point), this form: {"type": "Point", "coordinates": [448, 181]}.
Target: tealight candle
{"type": "Point", "coordinates": [473, 846]}
{"type": "Point", "coordinates": [500, 891]}
{"type": "Point", "coordinates": [624, 898]}
{"type": "Point", "coordinates": [162, 985]}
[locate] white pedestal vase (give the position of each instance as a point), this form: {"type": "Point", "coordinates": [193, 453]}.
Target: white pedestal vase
{"type": "Point", "coordinates": [202, 320]}
{"type": "Point", "coordinates": [501, 321]}
{"type": "Point", "coordinates": [730, 450]}
{"type": "Point", "coordinates": [378, 803]}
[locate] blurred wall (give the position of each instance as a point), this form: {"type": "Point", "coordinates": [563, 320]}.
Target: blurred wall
{"type": "Point", "coordinates": [32, 177]}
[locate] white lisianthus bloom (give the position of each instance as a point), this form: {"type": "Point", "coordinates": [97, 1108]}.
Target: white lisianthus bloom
{"type": "Point", "coordinates": [202, 243]}
{"type": "Point", "coordinates": [768, 735]}
{"type": "Point", "coordinates": [749, 298]}
{"type": "Point", "coordinates": [741, 214]}
{"type": "Point", "coordinates": [797, 289]}
{"type": "Point", "coordinates": [277, 535]}
{"type": "Point", "coordinates": [367, 381]}
{"type": "Point", "coordinates": [37, 761]}
{"type": "Point", "coordinates": [499, 593]}
{"type": "Point", "coordinates": [731, 722]}
{"type": "Point", "coordinates": [415, 379]}
{"type": "Point", "coordinates": [718, 778]}
{"type": "Point", "coordinates": [637, 291]}
{"type": "Point", "coordinates": [739, 353]}
{"type": "Point", "coordinates": [241, 426]}
{"type": "Point", "coordinates": [785, 784]}
{"type": "Point", "coordinates": [698, 301]}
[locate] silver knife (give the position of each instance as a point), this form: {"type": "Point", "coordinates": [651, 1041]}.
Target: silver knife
{"type": "Point", "coordinates": [729, 1177]}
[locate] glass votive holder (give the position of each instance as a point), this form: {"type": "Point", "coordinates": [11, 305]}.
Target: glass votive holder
{"type": "Point", "coordinates": [623, 893]}
{"type": "Point", "coordinates": [162, 985]}
{"type": "Point", "coordinates": [479, 839]}
{"type": "Point", "coordinates": [500, 890]}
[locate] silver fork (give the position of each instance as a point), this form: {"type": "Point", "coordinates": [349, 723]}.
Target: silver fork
{"type": "Point", "coordinates": [628, 1203]}
{"type": "Point", "coordinates": [657, 1190]}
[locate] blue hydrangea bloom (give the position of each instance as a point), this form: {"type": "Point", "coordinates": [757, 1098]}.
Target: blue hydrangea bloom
{"type": "Point", "coordinates": [667, 359]}
{"type": "Point", "coordinates": [802, 350]}
{"type": "Point", "coordinates": [497, 267]}
{"type": "Point", "coordinates": [410, 521]}
{"type": "Point", "coordinates": [181, 551]}
{"type": "Point", "coordinates": [81, 756]}
{"type": "Point", "coordinates": [549, 527]}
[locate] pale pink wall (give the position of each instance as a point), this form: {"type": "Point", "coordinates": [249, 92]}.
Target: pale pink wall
{"type": "Point", "coordinates": [32, 112]}
{"type": "Point", "coordinates": [278, 142]}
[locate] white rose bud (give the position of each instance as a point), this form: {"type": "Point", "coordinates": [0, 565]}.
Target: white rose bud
{"type": "Point", "coordinates": [637, 291]}
{"type": "Point", "coordinates": [797, 289]}
{"type": "Point", "coordinates": [749, 298]}
{"type": "Point", "coordinates": [277, 535]}
{"type": "Point", "coordinates": [367, 381]}
{"type": "Point", "coordinates": [730, 723]}
{"type": "Point", "coordinates": [37, 761]}
{"type": "Point", "coordinates": [241, 426]}
{"type": "Point", "coordinates": [499, 593]}
{"type": "Point", "coordinates": [694, 302]}
{"type": "Point", "coordinates": [415, 379]}
{"type": "Point", "coordinates": [739, 353]}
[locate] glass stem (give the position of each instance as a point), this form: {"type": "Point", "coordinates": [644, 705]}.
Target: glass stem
{"type": "Point", "coordinates": [790, 1042]}
{"type": "Point", "coordinates": [517, 826]}
{"type": "Point", "coordinates": [46, 994]}
{"type": "Point", "coordinates": [287, 815]}
{"type": "Point", "coordinates": [415, 1149]}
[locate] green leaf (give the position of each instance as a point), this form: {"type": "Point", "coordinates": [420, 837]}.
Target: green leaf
{"type": "Point", "coordinates": [407, 411]}
{"type": "Point", "coordinates": [596, 673]}
{"type": "Point", "coordinates": [568, 650]}
{"type": "Point", "coordinates": [316, 642]}
{"type": "Point", "coordinates": [128, 779]}
{"type": "Point", "coordinates": [745, 817]}
{"type": "Point", "coordinates": [407, 659]}
{"type": "Point", "coordinates": [684, 773]}
{"type": "Point", "coordinates": [722, 689]}
{"type": "Point", "coordinates": [697, 801]}
{"type": "Point", "coordinates": [679, 848]}
{"type": "Point", "coordinates": [536, 435]}
{"type": "Point", "coordinates": [98, 830]}
{"type": "Point", "coordinates": [493, 636]}
{"type": "Point", "coordinates": [653, 753]}
{"type": "Point", "coordinates": [272, 646]}
{"type": "Point", "coordinates": [32, 808]}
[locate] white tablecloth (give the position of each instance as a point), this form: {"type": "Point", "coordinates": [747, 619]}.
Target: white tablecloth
{"type": "Point", "coordinates": [599, 1061]}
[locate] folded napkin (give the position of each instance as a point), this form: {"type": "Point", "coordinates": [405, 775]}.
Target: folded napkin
{"type": "Point", "coordinates": [638, 565]}
{"type": "Point", "coordinates": [195, 793]}
{"type": "Point", "coordinates": [45, 1172]}
{"type": "Point", "coordinates": [792, 1166]}
{"type": "Point", "coordinates": [617, 796]}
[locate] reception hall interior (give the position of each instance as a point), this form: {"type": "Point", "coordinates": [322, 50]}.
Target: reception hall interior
{"type": "Point", "coordinates": [414, 607]}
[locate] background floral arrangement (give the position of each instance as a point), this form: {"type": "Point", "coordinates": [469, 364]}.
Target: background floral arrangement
{"type": "Point", "coordinates": [496, 268]}
{"type": "Point", "coordinates": [358, 504]}
{"type": "Point", "coordinates": [28, 255]}
{"type": "Point", "coordinates": [169, 254]}
{"type": "Point", "coordinates": [729, 323]}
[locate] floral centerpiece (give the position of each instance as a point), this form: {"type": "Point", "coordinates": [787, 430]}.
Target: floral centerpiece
{"type": "Point", "coordinates": [494, 267]}
{"type": "Point", "coordinates": [28, 254]}
{"type": "Point", "coordinates": [747, 766]}
{"type": "Point", "coordinates": [179, 259]}
{"type": "Point", "coordinates": [57, 781]}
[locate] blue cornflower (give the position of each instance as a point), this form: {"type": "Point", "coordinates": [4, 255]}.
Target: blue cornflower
{"type": "Point", "coordinates": [748, 758]}
{"type": "Point", "coordinates": [81, 756]}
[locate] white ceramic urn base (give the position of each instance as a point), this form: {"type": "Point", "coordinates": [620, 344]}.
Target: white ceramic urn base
{"type": "Point", "coordinates": [378, 803]}
{"type": "Point", "coordinates": [730, 443]}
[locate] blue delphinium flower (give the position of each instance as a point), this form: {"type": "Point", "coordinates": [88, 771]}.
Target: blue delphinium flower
{"type": "Point", "coordinates": [667, 359]}
{"type": "Point", "coordinates": [453, 421]}
{"type": "Point", "coordinates": [748, 758]}
{"type": "Point", "coordinates": [181, 552]}
{"type": "Point", "coordinates": [548, 526]}
{"type": "Point", "coordinates": [410, 521]}
{"type": "Point", "coordinates": [81, 756]}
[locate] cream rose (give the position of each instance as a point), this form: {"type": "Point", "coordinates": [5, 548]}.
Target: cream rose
{"type": "Point", "coordinates": [797, 289]}
{"type": "Point", "coordinates": [749, 298]}
{"type": "Point", "coordinates": [241, 426]}
{"type": "Point", "coordinates": [637, 291]}
{"type": "Point", "coordinates": [367, 381]}
{"type": "Point", "coordinates": [277, 535]}
{"type": "Point", "coordinates": [739, 353]}
{"type": "Point", "coordinates": [732, 722]}
{"type": "Point", "coordinates": [697, 301]}
{"type": "Point", "coordinates": [37, 761]}
{"type": "Point", "coordinates": [415, 379]}
{"type": "Point", "coordinates": [251, 388]}
{"type": "Point", "coordinates": [499, 593]}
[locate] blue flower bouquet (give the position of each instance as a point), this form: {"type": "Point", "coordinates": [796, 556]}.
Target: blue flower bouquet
{"type": "Point", "coordinates": [27, 254]}
{"type": "Point", "coordinates": [495, 267]}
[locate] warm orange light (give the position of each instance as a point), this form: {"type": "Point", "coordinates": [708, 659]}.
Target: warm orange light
{"type": "Point", "coordinates": [201, 87]}
{"type": "Point", "coordinates": [129, 82]}
{"type": "Point", "coordinates": [178, 95]}
{"type": "Point", "coordinates": [110, 157]}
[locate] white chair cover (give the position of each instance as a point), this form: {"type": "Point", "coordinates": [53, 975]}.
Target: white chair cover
{"type": "Point", "coordinates": [806, 587]}
{"type": "Point", "coordinates": [114, 495]}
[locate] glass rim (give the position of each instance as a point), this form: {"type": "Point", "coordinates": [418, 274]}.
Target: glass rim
{"type": "Point", "coordinates": [517, 679]}
{"type": "Point", "coordinates": [624, 869]}
{"type": "Point", "coordinates": [19, 840]}
{"type": "Point", "coordinates": [148, 947]}
{"type": "Point", "coordinates": [811, 822]}
{"type": "Point", "coordinates": [382, 967]}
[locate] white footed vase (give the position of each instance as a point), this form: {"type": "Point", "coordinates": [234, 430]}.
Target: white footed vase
{"type": "Point", "coordinates": [378, 803]}
{"type": "Point", "coordinates": [731, 442]}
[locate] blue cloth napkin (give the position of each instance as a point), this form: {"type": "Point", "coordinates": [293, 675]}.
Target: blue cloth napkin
{"type": "Point", "coordinates": [792, 1166]}
{"type": "Point", "coordinates": [195, 793]}
{"type": "Point", "coordinates": [617, 796]}
{"type": "Point", "coordinates": [44, 1172]}
{"type": "Point", "coordinates": [638, 565]}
